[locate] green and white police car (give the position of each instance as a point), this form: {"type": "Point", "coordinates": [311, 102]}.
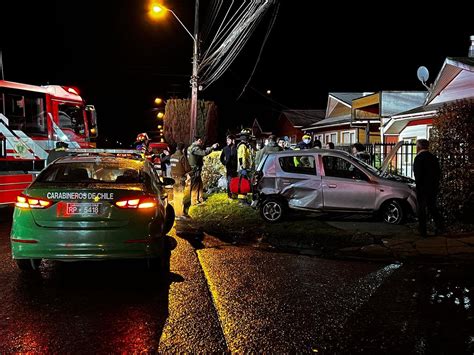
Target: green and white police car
{"type": "Point", "coordinates": [94, 207]}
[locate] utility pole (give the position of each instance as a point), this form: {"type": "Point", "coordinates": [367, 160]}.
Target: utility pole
{"type": "Point", "coordinates": [194, 76]}
{"type": "Point", "coordinates": [1, 64]}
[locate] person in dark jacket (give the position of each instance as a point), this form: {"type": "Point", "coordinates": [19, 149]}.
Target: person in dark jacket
{"type": "Point", "coordinates": [358, 150]}
{"type": "Point", "coordinates": [427, 176]}
{"type": "Point", "coordinates": [229, 160]}
{"type": "Point", "coordinates": [305, 143]}
{"type": "Point", "coordinates": [58, 152]}
{"type": "Point", "coordinates": [196, 153]}
{"type": "Point", "coordinates": [272, 146]}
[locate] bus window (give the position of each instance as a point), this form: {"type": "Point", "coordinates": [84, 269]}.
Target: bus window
{"type": "Point", "coordinates": [25, 112]}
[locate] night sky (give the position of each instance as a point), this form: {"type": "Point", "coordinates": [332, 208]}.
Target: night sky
{"type": "Point", "coordinates": [120, 60]}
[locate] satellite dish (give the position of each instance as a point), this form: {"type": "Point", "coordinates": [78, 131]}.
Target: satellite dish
{"type": "Point", "coordinates": [423, 74]}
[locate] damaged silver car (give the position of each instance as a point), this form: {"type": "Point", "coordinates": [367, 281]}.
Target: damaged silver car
{"type": "Point", "coordinates": [323, 180]}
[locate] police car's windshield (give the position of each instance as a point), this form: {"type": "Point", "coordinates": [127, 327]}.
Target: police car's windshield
{"type": "Point", "coordinates": [91, 172]}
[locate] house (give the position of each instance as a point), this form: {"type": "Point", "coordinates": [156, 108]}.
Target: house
{"type": "Point", "coordinates": [263, 127]}
{"type": "Point", "coordinates": [373, 111]}
{"type": "Point", "coordinates": [291, 123]}
{"type": "Point", "coordinates": [336, 126]}
{"type": "Point", "coordinates": [455, 81]}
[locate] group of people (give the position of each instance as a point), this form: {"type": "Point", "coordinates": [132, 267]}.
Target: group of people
{"type": "Point", "coordinates": [240, 159]}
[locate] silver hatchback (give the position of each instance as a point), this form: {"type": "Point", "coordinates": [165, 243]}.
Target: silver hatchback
{"type": "Point", "coordinates": [329, 181]}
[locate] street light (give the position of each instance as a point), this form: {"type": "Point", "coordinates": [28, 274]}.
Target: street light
{"type": "Point", "coordinates": [156, 12]}
{"type": "Point", "coordinates": [160, 115]}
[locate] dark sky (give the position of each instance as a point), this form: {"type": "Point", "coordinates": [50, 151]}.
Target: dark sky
{"type": "Point", "coordinates": [120, 60]}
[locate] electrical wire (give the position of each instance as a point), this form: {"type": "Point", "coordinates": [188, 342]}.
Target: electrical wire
{"type": "Point", "coordinates": [230, 40]}
{"type": "Point", "coordinates": [272, 22]}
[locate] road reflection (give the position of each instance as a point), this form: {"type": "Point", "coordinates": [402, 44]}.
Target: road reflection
{"type": "Point", "coordinates": [93, 306]}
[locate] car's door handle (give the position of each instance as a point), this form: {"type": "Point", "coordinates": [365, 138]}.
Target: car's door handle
{"type": "Point", "coordinates": [286, 182]}
{"type": "Point", "coordinates": [332, 186]}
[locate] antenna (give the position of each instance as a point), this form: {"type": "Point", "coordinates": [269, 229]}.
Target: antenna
{"type": "Point", "coordinates": [423, 75]}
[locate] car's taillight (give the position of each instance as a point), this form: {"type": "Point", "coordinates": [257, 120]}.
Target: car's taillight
{"type": "Point", "coordinates": [136, 203]}
{"type": "Point", "coordinates": [23, 201]}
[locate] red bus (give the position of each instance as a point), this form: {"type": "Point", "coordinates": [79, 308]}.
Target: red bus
{"type": "Point", "coordinates": [32, 120]}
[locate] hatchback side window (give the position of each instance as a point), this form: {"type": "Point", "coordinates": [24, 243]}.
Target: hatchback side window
{"type": "Point", "coordinates": [341, 168]}
{"type": "Point", "coordinates": [302, 164]}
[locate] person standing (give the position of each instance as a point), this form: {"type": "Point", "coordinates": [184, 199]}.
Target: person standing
{"type": "Point", "coordinates": [196, 153]}
{"type": "Point", "coordinates": [165, 163]}
{"type": "Point", "coordinates": [58, 152]}
{"type": "Point", "coordinates": [180, 170]}
{"type": "Point", "coordinates": [272, 146]}
{"type": "Point", "coordinates": [330, 145]}
{"type": "Point", "coordinates": [427, 176]}
{"type": "Point", "coordinates": [229, 160]}
{"type": "Point", "coordinates": [305, 143]}
{"type": "Point", "coordinates": [244, 155]}
{"type": "Point", "coordinates": [358, 150]}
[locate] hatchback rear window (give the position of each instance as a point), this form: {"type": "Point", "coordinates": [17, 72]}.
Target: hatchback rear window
{"type": "Point", "coordinates": [92, 172]}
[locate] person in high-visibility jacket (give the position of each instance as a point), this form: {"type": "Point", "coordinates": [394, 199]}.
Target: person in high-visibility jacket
{"type": "Point", "coordinates": [244, 155]}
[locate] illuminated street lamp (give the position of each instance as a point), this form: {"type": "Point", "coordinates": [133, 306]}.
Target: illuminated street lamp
{"type": "Point", "coordinates": [158, 101]}
{"type": "Point", "coordinates": [156, 12]}
{"type": "Point", "coordinates": [160, 115]}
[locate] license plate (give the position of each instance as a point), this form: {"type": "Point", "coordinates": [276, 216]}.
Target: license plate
{"type": "Point", "coordinates": [83, 208]}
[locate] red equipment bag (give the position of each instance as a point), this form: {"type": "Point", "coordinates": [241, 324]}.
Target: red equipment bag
{"type": "Point", "coordinates": [240, 185]}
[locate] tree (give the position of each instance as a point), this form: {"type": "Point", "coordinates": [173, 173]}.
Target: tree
{"type": "Point", "coordinates": [176, 122]}
{"type": "Point", "coordinates": [452, 140]}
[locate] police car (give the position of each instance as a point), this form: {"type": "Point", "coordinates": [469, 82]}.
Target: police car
{"type": "Point", "coordinates": [93, 206]}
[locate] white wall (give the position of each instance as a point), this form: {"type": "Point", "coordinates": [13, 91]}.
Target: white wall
{"type": "Point", "coordinates": [417, 132]}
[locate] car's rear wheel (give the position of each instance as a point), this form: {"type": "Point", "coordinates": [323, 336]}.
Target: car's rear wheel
{"type": "Point", "coordinates": [161, 264]}
{"type": "Point", "coordinates": [393, 212]}
{"type": "Point", "coordinates": [170, 216]}
{"type": "Point", "coordinates": [272, 210]}
{"type": "Point", "coordinates": [28, 264]}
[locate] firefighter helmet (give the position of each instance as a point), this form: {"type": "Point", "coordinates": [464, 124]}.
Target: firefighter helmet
{"type": "Point", "coordinates": [141, 137]}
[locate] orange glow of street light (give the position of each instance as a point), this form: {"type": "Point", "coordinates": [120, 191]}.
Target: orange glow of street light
{"type": "Point", "coordinates": [157, 11]}
{"type": "Point", "coordinates": [158, 101]}
{"type": "Point", "coordinates": [160, 115]}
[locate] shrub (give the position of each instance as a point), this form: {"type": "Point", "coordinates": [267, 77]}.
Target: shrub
{"type": "Point", "coordinates": [452, 140]}
{"type": "Point", "coordinates": [212, 171]}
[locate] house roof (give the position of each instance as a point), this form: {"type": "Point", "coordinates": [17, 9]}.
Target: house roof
{"type": "Point", "coordinates": [266, 124]}
{"type": "Point", "coordinates": [456, 72]}
{"type": "Point", "coordinates": [331, 121]}
{"type": "Point", "coordinates": [303, 118]}
{"type": "Point", "coordinates": [347, 97]}
{"type": "Point", "coordinates": [419, 110]}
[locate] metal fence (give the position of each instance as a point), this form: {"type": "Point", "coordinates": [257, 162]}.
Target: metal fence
{"type": "Point", "coordinates": [402, 161]}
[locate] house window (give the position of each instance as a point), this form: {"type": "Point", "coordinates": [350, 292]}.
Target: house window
{"type": "Point", "coordinates": [331, 137]}
{"type": "Point", "coordinates": [348, 137]}
{"type": "Point", "coordinates": [428, 132]}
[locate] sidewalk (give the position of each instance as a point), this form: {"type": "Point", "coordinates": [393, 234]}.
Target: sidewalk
{"type": "Point", "coordinates": [453, 248]}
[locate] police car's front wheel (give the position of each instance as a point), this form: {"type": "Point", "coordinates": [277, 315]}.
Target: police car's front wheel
{"type": "Point", "coordinates": [28, 264]}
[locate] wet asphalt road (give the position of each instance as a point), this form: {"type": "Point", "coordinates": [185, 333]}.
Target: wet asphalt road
{"type": "Point", "coordinates": [226, 297]}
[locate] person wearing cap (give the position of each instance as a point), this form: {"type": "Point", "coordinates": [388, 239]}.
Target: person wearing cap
{"type": "Point", "coordinates": [196, 153]}
{"type": "Point", "coordinates": [244, 154]}
{"type": "Point", "coordinates": [58, 152]}
{"type": "Point", "coordinates": [305, 143]}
